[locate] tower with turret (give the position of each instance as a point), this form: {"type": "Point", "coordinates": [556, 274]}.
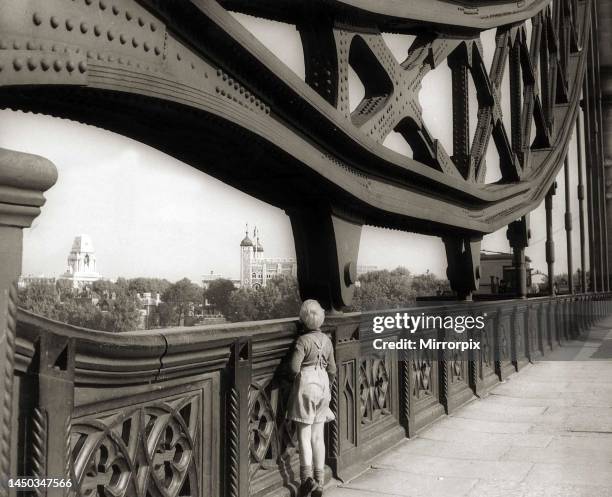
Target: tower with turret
{"type": "Point", "coordinates": [246, 259]}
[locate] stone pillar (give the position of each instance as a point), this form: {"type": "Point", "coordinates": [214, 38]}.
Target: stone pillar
{"type": "Point", "coordinates": [23, 179]}
{"type": "Point", "coordinates": [518, 235]}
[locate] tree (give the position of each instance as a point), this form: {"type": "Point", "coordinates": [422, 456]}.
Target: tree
{"type": "Point", "coordinates": [428, 284]}
{"type": "Point", "coordinates": [182, 295]}
{"type": "Point", "coordinates": [122, 316]}
{"type": "Point", "coordinates": [218, 293]}
{"type": "Point", "coordinates": [103, 287]}
{"type": "Point", "coordinates": [143, 285]}
{"type": "Point", "coordinates": [40, 298]}
{"type": "Point", "coordinates": [383, 289]}
{"type": "Point", "coordinates": [278, 299]}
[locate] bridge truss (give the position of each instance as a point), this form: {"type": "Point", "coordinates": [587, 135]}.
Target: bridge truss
{"type": "Point", "coordinates": [185, 77]}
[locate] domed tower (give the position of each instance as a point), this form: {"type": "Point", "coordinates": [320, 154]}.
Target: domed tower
{"type": "Point", "coordinates": [246, 258]}
{"type": "Point", "coordinates": [82, 265]}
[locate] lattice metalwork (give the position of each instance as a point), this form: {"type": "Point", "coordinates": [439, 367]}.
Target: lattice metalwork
{"type": "Point", "coordinates": [188, 79]}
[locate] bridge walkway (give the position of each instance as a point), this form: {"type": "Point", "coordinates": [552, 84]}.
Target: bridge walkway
{"type": "Point", "coordinates": [545, 432]}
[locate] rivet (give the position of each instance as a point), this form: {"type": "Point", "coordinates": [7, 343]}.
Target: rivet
{"type": "Point", "coordinates": [122, 38]}
{"type": "Point", "coordinates": [111, 58]}
{"type": "Point", "coordinates": [54, 22]}
{"type": "Point", "coordinates": [88, 2]}
{"type": "Point", "coordinates": [84, 27]}
{"type": "Point", "coordinates": [102, 5]}
{"type": "Point", "coordinates": [58, 65]}
{"type": "Point", "coordinates": [31, 64]}
{"type": "Point", "coordinates": [128, 16]}
{"type": "Point", "coordinates": [146, 46]}
{"type": "Point", "coordinates": [110, 35]}
{"type": "Point", "coordinates": [3, 45]}
{"type": "Point", "coordinates": [121, 61]}
{"type": "Point", "coordinates": [115, 10]}
{"type": "Point", "coordinates": [18, 64]}
{"type": "Point", "coordinates": [192, 65]}
{"type": "Point", "coordinates": [69, 25]}
{"type": "Point", "coordinates": [90, 54]}
{"type": "Point", "coordinates": [37, 19]}
{"type": "Point", "coordinates": [31, 46]}
{"type": "Point", "coordinates": [178, 56]}
{"type": "Point", "coordinates": [44, 63]}
{"type": "Point", "coordinates": [135, 42]}
{"type": "Point", "coordinates": [82, 67]}
{"type": "Point", "coordinates": [153, 27]}
{"type": "Point", "coordinates": [141, 22]}
{"type": "Point", "coordinates": [16, 45]}
{"type": "Point", "coordinates": [157, 51]}
{"type": "Point", "coordinates": [97, 30]}
{"type": "Point", "coordinates": [70, 66]}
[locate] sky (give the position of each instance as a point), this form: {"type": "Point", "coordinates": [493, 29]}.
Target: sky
{"type": "Point", "coordinates": [149, 214]}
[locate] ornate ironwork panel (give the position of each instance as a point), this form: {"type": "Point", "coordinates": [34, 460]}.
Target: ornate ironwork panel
{"type": "Point", "coordinates": [142, 450]}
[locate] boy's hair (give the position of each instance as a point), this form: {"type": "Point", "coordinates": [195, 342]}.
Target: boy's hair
{"type": "Point", "coordinates": [312, 314]}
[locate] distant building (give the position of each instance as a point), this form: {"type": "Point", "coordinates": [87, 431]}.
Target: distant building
{"type": "Point", "coordinates": [25, 281]}
{"type": "Point", "coordinates": [255, 269]}
{"type": "Point", "coordinates": [82, 264]}
{"type": "Point", "coordinates": [363, 269]}
{"type": "Point", "coordinates": [498, 273]}
{"type": "Point", "coordinates": [207, 279]}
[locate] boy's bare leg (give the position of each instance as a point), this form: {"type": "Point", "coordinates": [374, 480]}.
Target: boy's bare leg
{"type": "Point", "coordinates": [318, 452]}
{"type": "Point", "coordinates": [304, 433]}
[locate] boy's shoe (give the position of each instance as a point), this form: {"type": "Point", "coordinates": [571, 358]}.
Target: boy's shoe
{"type": "Point", "coordinates": [307, 487]}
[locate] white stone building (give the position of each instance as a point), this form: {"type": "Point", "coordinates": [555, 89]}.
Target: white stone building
{"type": "Point", "coordinates": [255, 269]}
{"type": "Point", "coordinates": [82, 265]}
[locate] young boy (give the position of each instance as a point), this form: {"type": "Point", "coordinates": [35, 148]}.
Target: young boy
{"type": "Point", "coordinates": [314, 368]}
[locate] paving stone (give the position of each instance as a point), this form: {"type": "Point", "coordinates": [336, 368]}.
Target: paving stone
{"type": "Point", "coordinates": [353, 492]}
{"type": "Point", "coordinates": [504, 407]}
{"type": "Point", "coordinates": [583, 441]}
{"type": "Point", "coordinates": [550, 417]}
{"type": "Point", "coordinates": [506, 440]}
{"type": "Point", "coordinates": [466, 468]}
{"type": "Point", "coordinates": [556, 454]}
{"type": "Point", "coordinates": [406, 484]}
{"type": "Point", "coordinates": [504, 400]}
{"type": "Point", "coordinates": [511, 489]}
{"type": "Point", "coordinates": [454, 450]}
{"type": "Point", "coordinates": [590, 474]}
{"type": "Point", "coordinates": [482, 426]}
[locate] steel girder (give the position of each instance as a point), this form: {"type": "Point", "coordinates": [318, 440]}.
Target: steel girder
{"type": "Point", "coordinates": [187, 78]}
